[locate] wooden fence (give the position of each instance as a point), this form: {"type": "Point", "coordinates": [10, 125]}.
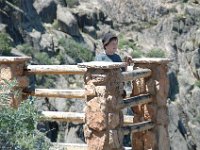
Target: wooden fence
{"type": "Point", "coordinates": [104, 122]}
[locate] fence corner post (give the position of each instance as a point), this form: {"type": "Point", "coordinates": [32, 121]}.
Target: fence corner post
{"type": "Point", "coordinates": [104, 119]}
{"type": "Point", "coordinates": [157, 85]}
{"type": "Point", "coordinates": [12, 68]}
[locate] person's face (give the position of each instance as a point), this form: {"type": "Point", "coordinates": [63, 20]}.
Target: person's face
{"type": "Point", "coordinates": [111, 47]}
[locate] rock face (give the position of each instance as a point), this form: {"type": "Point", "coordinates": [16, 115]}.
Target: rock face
{"type": "Point", "coordinates": [67, 21]}
{"type": "Point", "coordinates": [170, 25]}
{"type": "Point", "coordinates": [46, 10]}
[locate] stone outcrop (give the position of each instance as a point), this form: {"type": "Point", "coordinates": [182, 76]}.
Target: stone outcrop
{"type": "Point", "coordinates": [46, 10]}
{"type": "Point", "coordinates": [67, 21]}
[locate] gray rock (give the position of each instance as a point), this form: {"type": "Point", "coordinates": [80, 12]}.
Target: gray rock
{"type": "Point", "coordinates": [2, 27]}
{"type": "Point", "coordinates": [46, 9]}
{"type": "Point", "coordinates": [89, 14]}
{"type": "Point", "coordinates": [35, 39]}
{"type": "Point", "coordinates": [195, 63]}
{"type": "Point", "coordinates": [67, 21]}
{"type": "Point", "coordinates": [177, 141]}
{"type": "Point", "coordinates": [188, 46]}
{"type": "Point", "coordinates": [90, 30]}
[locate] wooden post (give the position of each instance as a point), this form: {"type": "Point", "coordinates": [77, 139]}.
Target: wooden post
{"type": "Point", "coordinates": [12, 68]}
{"type": "Point", "coordinates": [157, 85]}
{"type": "Point", "coordinates": [103, 118]}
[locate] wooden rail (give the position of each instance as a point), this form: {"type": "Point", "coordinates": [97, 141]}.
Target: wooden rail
{"type": "Point", "coordinates": [138, 127]}
{"type": "Point", "coordinates": [68, 93]}
{"type": "Point", "coordinates": [136, 100]}
{"type": "Point", "coordinates": [55, 69]}
{"type": "Point", "coordinates": [74, 117]}
{"type": "Point", "coordinates": [135, 74]}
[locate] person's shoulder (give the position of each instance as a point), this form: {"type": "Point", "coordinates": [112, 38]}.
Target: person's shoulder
{"type": "Point", "coordinates": [100, 56]}
{"type": "Point", "coordinates": [116, 55]}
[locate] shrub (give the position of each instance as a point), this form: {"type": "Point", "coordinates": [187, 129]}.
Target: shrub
{"type": "Point", "coordinates": [157, 53]}
{"type": "Point", "coordinates": [26, 49]}
{"type": "Point", "coordinates": [38, 57]}
{"type": "Point", "coordinates": [77, 51]}
{"type": "Point", "coordinates": [197, 83]}
{"type": "Point", "coordinates": [137, 53]}
{"type": "Point", "coordinates": [55, 24]}
{"type": "Point", "coordinates": [17, 126]}
{"type": "Point", "coordinates": [125, 44]}
{"type": "Point", "coordinates": [72, 3]}
{"type": "Point", "coordinates": [5, 44]}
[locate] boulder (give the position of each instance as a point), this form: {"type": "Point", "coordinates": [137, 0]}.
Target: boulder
{"type": "Point", "coordinates": [90, 30]}
{"type": "Point", "coordinates": [46, 10]}
{"type": "Point", "coordinates": [67, 21]}
{"type": "Point", "coordinates": [2, 27]}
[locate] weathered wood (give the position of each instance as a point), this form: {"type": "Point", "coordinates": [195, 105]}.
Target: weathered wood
{"type": "Point", "coordinates": [74, 117]}
{"type": "Point", "coordinates": [128, 119]}
{"type": "Point", "coordinates": [68, 146]}
{"type": "Point", "coordinates": [102, 65]}
{"type": "Point", "coordinates": [136, 100]}
{"type": "Point", "coordinates": [135, 74]}
{"type": "Point", "coordinates": [55, 69]}
{"type": "Point", "coordinates": [71, 146]}
{"type": "Point", "coordinates": [151, 60]}
{"type": "Point", "coordinates": [138, 127]}
{"type": "Point", "coordinates": [68, 93]}
{"type": "Point", "coordinates": [63, 116]}
{"type": "Point", "coordinates": [9, 59]}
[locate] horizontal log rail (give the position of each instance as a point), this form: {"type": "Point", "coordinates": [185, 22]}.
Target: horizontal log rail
{"type": "Point", "coordinates": [136, 100]}
{"type": "Point", "coordinates": [151, 60]}
{"type": "Point", "coordinates": [72, 146]}
{"type": "Point", "coordinates": [74, 117]}
{"type": "Point", "coordinates": [135, 74]}
{"type": "Point", "coordinates": [54, 69]}
{"type": "Point", "coordinates": [68, 146]}
{"type": "Point", "coordinates": [10, 59]}
{"type": "Point", "coordinates": [138, 127]}
{"type": "Point", "coordinates": [67, 93]}
{"type": "Point", "coordinates": [63, 116]}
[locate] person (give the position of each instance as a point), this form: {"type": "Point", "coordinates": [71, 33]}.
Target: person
{"type": "Point", "coordinates": [110, 45]}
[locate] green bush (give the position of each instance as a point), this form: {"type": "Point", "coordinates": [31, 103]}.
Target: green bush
{"type": "Point", "coordinates": [156, 53]}
{"type": "Point", "coordinates": [17, 126]}
{"type": "Point", "coordinates": [137, 53]}
{"type": "Point", "coordinates": [5, 44]}
{"type": "Point", "coordinates": [72, 3]}
{"type": "Point", "coordinates": [26, 49]}
{"type": "Point", "coordinates": [125, 44]}
{"type": "Point", "coordinates": [197, 83]}
{"type": "Point", "coordinates": [55, 24]}
{"type": "Point", "coordinates": [41, 58]}
{"type": "Point", "coordinates": [77, 51]}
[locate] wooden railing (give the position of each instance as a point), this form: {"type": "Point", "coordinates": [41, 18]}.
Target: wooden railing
{"type": "Point", "coordinates": [104, 121]}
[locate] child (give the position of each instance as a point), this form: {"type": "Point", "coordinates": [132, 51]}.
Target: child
{"type": "Point", "coordinates": [110, 44]}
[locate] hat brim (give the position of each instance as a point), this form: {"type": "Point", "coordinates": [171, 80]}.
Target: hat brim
{"type": "Point", "coordinates": [109, 39]}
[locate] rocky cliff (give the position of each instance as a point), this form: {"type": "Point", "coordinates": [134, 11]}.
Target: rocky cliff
{"type": "Point", "coordinates": [172, 26]}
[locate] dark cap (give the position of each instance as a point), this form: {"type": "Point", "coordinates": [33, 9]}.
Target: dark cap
{"type": "Point", "coordinates": [107, 38]}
